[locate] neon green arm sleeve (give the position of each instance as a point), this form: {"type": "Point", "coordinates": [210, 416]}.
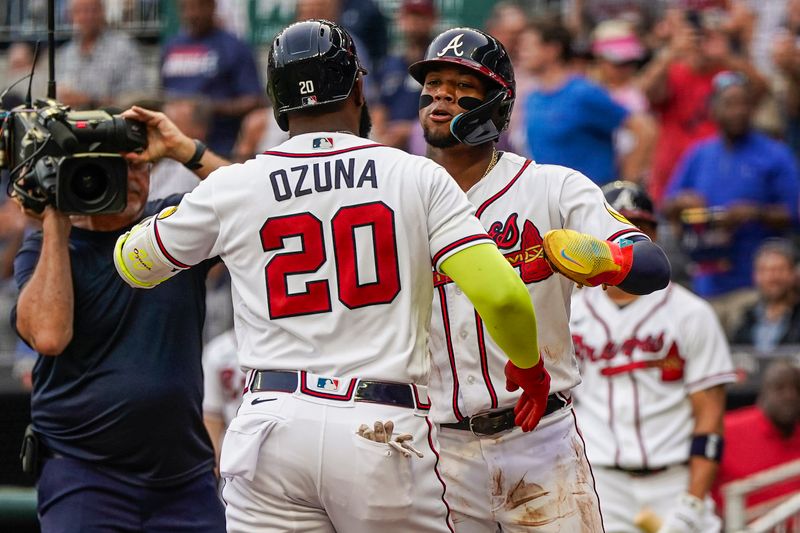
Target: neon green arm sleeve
{"type": "Point", "coordinates": [501, 299]}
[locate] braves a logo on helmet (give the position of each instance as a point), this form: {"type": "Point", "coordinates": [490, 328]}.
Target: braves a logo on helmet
{"type": "Point", "coordinates": [455, 45]}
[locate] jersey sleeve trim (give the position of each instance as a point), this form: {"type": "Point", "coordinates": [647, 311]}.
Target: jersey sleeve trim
{"type": "Point", "coordinates": [321, 154]}
{"type": "Point", "coordinates": [453, 247]}
{"type": "Point", "coordinates": [502, 191]}
{"type": "Point", "coordinates": [163, 250]}
{"type": "Point", "coordinates": [711, 381]}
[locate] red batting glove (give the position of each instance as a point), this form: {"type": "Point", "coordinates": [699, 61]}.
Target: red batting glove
{"type": "Point", "coordinates": [535, 383]}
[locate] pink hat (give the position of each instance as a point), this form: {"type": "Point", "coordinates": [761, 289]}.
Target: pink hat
{"type": "Point", "coordinates": [615, 41]}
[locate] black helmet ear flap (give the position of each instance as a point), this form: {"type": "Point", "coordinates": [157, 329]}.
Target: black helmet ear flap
{"type": "Point", "coordinates": [477, 125]}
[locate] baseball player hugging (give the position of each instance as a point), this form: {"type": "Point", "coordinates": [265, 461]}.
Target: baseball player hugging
{"type": "Point", "coordinates": [652, 399]}
{"type": "Point", "coordinates": [329, 239]}
{"type": "Point", "coordinates": [501, 473]}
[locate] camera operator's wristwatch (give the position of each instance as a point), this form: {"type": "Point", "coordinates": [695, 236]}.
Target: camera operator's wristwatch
{"type": "Point", "coordinates": [200, 149]}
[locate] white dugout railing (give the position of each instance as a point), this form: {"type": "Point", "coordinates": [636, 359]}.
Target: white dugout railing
{"type": "Point", "coordinates": [782, 518]}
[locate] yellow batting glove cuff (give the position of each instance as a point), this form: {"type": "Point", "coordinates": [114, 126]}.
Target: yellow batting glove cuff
{"type": "Point", "coordinates": [585, 259]}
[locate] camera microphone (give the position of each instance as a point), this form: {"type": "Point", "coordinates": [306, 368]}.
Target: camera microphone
{"type": "Point", "coordinates": [62, 136]}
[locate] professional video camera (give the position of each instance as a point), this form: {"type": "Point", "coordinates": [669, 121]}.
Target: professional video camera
{"type": "Point", "coordinates": [68, 159]}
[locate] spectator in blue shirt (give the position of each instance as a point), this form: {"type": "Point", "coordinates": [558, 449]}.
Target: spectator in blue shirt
{"type": "Point", "coordinates": [570, 121]}
{"type": "Point", "coordinates": [204, 60]}
{"type": "Point", "coordinates": [729, 193]}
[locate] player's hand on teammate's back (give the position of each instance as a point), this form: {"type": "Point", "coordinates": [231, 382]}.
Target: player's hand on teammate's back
{"type": "Point", "coordinates": [383, 432]}
{"type": "Point", "coordinates": [687, 516]}
{"type": "Point", "coordinates": [535, 385]}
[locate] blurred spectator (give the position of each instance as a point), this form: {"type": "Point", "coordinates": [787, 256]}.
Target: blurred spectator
{"type": "Point", "coordinates": [678, 84]}
{"type": "Point", "coordinates": [192, 115]}
{"type": "Point", "coordinates": [223, 383]}
{"type": "Point", "coordinates": [396, 113]}
{"type": "Point", "coordinates": [775, 318]}
{"type": "Point", "coordinates": [204, 60]}
{"type": "Point", "coordinates": [507, 22]}
{"type": "Point", "coordinates": [785, 81]}
{"type": "Point", "coordinates": [99, 66]}
{"type": "Point", "coordinates": [582, 16]}
{"type": "Point", "coordinates": [732, 191]}
{"type": "Point", "coordinates": [764, 436]}
{"type": "Point", "coordinates": [12, 229]}
{"type": "Point", "coordinates": [618, 54]}
{"type": "Point", "coordinates": [332, 10]}
{"type": "Point", "coordinates": [766, 18]}
{"type": "Point", "coordinates": [19, 65]}
{"type": "Point", "coordinates": [571, 121]}
{"type": "Point", "coordinates": [364, 19]}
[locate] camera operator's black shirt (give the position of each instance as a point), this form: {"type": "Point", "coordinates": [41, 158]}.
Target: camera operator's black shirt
{"type": "Point", "coordinates": [126, 393]}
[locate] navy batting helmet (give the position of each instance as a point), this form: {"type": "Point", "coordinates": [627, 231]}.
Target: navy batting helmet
{"type": "Point", "coordinates": [310, 63]}
{"type": "Point", "coordinates": [630, 199]}
{"type": "Point", "coordinates": [487, 57]}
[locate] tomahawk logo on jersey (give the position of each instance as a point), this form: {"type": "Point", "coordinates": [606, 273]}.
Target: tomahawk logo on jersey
{"type": "Point", "coordinates": [558, 198]}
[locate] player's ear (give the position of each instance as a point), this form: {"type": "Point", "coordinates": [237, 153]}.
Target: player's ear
{"type": "Point", "coordinates": [358, 91]}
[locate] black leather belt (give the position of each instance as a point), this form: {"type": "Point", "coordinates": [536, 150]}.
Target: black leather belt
{"type": "Point", "coordinates": [641, 472]}
{"type": "Point", "coordinates": [502, 420]}
{"type": "Point", "coordinates": [397, 394]}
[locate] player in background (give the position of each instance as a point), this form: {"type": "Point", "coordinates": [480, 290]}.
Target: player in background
{"type": "Point", "coordinates": [497, 475]}
{"type": "Point", "coordinates": [652, 400]}
{"type": "Point", "coordinates": [329, 240]}
{"type": "Point", "coordinates": [223, 382]}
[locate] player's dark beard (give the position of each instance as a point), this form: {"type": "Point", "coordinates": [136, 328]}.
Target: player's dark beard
{"type": "Point", "coordinates": [365, 124]}
{"type": "Point", "coordinates": [439, 141]}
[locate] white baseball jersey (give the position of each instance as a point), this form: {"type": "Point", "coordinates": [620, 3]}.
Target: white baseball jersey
{"type": "Point", "coordinates": [223, 379]}
{"type": "Point", "coordinates": [329, 241]}
{"type": "Point", "coordinates": [639, 363]}
{"type": "Point", "coordinates": [518, 202]}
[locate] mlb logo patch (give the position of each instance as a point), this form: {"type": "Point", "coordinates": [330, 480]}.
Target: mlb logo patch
{"type": "Point", "coordinates": [308, 100]}
{"type": "Point", "coordinates": [323, 143]}
{"type": "Point", "coordinates": [327, 384]}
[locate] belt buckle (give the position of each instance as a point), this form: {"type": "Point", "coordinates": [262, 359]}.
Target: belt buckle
{"type": "Point", "coordinates": [471, 427]}
{"type": "Point", "coordinates": [481, 415]}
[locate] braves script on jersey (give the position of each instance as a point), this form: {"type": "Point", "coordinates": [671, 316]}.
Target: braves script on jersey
{"type": "Point", "coordinates": [312, 234]}
{"type": "Point", "coordinates": [518, 202]}
{"type": "Point", "coordinates": [639, 363]}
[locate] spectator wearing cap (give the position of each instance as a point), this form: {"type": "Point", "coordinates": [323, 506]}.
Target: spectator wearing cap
{"type": "Point", "coordinates": [746, 184]}
{"type": "Point", "coordinates": [775, 318]}
{"type": "Point", "coordinates": [395, 114]}
{"type": "Point", "coordinates": [571, 121]}
{"type": "Point", "coordinates": [677, 82]}
{"type": "Point", "coordinates": [618, 54]}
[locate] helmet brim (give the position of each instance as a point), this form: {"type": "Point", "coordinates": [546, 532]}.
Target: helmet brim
{"type": "Point", "coordinates": [420, 69]}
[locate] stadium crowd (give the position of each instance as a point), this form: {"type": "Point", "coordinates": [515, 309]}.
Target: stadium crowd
{"type": "Point", "coordinates": [697, 101]}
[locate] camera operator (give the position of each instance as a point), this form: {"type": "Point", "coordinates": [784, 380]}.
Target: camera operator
{"type": "Point", "coordinates": [117, 385]}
